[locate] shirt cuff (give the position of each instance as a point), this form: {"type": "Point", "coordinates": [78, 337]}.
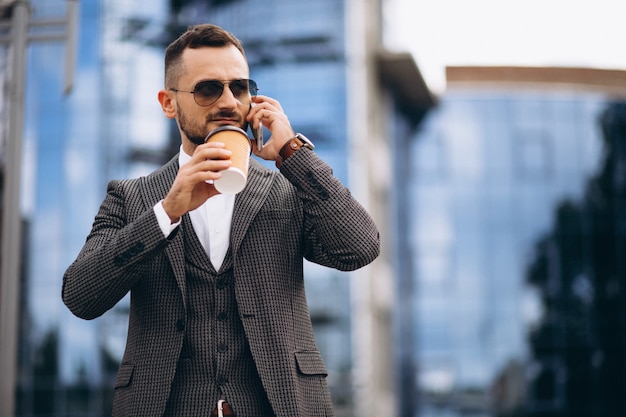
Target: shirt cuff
{"type": "Point", "coordinates": [165, 223]}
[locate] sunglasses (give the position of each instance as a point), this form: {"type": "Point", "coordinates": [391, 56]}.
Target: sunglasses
{"type": "Point", "coordinates": [208, 92]}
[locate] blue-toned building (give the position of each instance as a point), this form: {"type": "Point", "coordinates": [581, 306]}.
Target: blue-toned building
{"type": "Point", "coordinates": [517, 239]}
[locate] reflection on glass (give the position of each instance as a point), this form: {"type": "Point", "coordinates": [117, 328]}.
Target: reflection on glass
{"type": "Point", "coordinates": [533, 299]}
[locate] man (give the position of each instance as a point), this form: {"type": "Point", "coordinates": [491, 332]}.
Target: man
{"type": "Point", "coordinates": [219, 323]}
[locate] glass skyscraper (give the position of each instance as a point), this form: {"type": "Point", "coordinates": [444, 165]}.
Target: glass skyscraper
{"type": "Point", "coordinates": [517, 239]}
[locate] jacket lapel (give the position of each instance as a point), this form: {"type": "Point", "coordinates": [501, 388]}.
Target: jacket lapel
{"type": "Point", "coordinates": [249, 202]}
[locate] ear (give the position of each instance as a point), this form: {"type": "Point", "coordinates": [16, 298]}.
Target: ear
{"type": "Point", "coordinates": [168, 103]}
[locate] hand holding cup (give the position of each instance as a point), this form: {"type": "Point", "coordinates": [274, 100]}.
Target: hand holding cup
{"type": "Point", "coordinates": [233, 179]}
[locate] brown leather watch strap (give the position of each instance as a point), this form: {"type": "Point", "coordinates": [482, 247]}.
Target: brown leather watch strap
{"type": "Point", "coordinates": [288, 149]}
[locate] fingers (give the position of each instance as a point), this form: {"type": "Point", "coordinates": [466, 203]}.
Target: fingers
{"type": "Point", "coordinates": [210, 151]}
{"type": "Point", "coordinates": [268, 111]}
{"type": "Point", "coordinates": [190, 188]}
{"type": "Point", "coordinates": [206, 162]}
{"type": "Point", "coordinates": [258, 100]}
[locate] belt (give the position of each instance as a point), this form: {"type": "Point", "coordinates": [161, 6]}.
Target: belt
{"type": "Point", "coordinates": [226, 410]}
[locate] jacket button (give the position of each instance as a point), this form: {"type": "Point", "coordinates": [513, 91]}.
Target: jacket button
{"type": "Point", "coordinates": [180, 325]}
{"type": "Point", "coordinates": [222, 348]}
{"type": "Point", "coordinates": [222, 316]}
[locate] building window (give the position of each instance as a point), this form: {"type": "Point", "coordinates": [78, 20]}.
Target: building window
{"type": "Point", "coordinates": [533, 154]}
{"type": "Point", "coordinates": [430, 158]}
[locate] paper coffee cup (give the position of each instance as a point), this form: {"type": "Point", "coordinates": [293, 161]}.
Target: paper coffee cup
{"type": "Point", "coordinates": [233, 179]}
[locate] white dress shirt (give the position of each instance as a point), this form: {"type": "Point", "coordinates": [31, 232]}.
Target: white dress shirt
{"type": "Point", "coordinates": [211, 221]}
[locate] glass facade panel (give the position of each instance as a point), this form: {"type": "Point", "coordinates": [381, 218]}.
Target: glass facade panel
{"type": "Point", "coordinates": [518, 314]}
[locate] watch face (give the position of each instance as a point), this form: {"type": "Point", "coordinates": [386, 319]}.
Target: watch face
{"type": "Point", "coordinates": [306, 142]}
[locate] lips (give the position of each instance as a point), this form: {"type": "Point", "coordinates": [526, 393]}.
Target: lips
{"type": "Point", "coordinates": [226, 121]}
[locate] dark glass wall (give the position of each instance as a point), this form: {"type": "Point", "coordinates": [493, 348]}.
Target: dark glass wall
{"type": "Point", "coordinates": [61, 177]}
{"type": "Point", "coordinates": [578, 348]}
{"type": "Point", "coordinates": [518, 241]}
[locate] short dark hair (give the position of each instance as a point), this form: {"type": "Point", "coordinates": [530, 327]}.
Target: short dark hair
{"type": "Point", "coordinates": [196, 36]}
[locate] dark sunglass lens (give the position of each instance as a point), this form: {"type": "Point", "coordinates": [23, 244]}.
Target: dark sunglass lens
{"type": "Point", "coordinates": [252, 87]}
{"type": "Point", "coordinates": [239, 89]}
{"type": "Point", "coordinates": [207, 92]}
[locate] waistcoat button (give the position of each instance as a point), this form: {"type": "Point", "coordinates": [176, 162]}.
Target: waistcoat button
{"type": "Point", "coordinates": [180, 325]}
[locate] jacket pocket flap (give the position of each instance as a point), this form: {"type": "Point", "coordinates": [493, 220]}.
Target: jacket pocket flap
{"type": "Point", "coordinates": [124, 375]}
{"type": "Point", "coordinates": [310, 363]}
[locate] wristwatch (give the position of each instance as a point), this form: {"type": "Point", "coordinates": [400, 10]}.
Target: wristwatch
{"type": "Point", "coordinates": [289, 148]}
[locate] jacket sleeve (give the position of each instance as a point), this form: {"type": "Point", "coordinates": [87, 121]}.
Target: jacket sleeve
{"type": "Point", "coordinates": [338, 231]}
{"type": "Point", "coordinates": [114, 256]}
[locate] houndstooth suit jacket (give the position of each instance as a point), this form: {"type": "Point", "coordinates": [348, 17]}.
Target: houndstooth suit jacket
{"type": "Point", "coordinates": [278, 219]}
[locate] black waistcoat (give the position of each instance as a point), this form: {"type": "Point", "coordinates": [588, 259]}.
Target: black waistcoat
{"type": "Point", "coordinates": [215, 361]}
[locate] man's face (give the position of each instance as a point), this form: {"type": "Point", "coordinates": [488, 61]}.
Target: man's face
{"type": "Point", "coordinates": [202, 64]}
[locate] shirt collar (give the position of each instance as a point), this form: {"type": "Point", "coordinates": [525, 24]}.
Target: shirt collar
{"type": "Point", "coordinates": [183, 158]}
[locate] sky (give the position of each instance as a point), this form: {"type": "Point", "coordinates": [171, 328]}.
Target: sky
{"type": "Point", "coordinates": [570, 33]}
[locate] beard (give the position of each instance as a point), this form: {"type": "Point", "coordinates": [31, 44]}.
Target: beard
{"type": "Point", "coordinates": [196, 132]}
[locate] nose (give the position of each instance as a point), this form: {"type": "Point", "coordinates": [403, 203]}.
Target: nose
{"type": "Point", "coordinates": [227, 99]}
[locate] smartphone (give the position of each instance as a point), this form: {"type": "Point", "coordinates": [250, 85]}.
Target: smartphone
{"type": "Point", "coordinates": [258, 135]}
